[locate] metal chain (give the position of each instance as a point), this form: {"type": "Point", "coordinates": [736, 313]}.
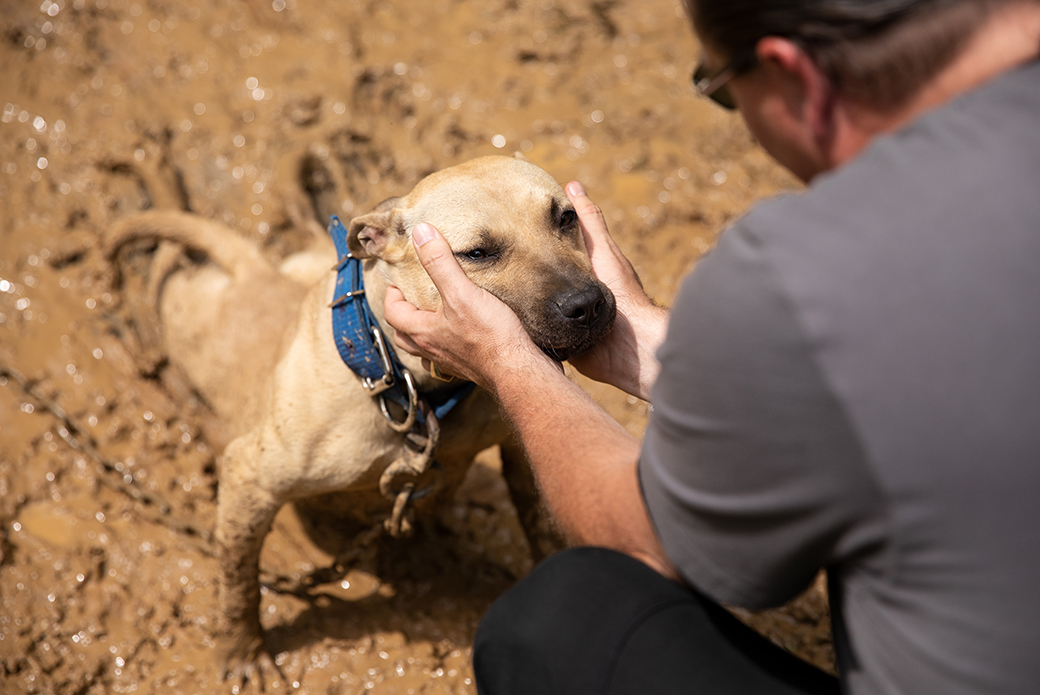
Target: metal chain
{"type": "Point", "coordinates": [414, 464]}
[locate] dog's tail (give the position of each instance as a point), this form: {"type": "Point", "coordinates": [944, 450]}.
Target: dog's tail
{"type": "Point", "coordinates": [220, 244]}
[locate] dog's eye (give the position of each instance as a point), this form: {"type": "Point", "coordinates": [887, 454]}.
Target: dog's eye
{"type": "Point", "coordinates": [476, 254]}
{"type": "Point", "coordinates": [568, 217]}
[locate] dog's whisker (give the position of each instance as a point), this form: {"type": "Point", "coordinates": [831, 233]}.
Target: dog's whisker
{"type": "Point", "coordinates": [551, 352]}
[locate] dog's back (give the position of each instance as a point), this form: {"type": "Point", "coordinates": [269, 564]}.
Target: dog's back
{"type": "Point", "coordinates": [224, 310]}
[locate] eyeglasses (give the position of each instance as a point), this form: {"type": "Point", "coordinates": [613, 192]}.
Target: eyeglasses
{"type": "Point", "coordinates": [715, 86]}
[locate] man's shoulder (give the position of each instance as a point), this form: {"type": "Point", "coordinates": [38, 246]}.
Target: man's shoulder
{"type": "Point", "coordinates": [970, 165]}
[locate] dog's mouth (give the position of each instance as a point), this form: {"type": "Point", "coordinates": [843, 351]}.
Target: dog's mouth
{"type": "Point", "coordinates": [567, 321]}
{"type": "Point", "coordinates": [576, 326]}
{"type": "Point", "coordinates": [564, 353]}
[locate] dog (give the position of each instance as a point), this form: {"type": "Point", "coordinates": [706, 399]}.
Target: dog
{"type": "Point", "coordinates": [257, 342]}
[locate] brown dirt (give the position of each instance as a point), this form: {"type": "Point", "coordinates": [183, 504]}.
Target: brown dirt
{"type": "Point", "coordinates": [262, 114]}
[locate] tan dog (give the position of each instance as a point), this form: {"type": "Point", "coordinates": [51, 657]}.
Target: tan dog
{"type": "Point", "coordinates": [257, 343]}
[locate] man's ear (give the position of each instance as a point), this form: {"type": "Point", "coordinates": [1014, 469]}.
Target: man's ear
{"type": "Point", "coordinates": [808, 93]}
{"type": "Point", "coordinates": [367, 236]}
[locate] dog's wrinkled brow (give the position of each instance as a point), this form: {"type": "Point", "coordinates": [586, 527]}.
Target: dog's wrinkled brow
{"type": "Point", "coordinates": [485, 239]}
{"type": "Point", "coordinates": [482, 240]}
{"type": "Point", "coordinates": [554, 212]}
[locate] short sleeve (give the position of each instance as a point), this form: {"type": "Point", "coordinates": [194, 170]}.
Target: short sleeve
{"type": "Point", "coordinates": [752, 474]}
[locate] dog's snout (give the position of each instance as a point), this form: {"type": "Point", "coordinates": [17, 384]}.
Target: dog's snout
{"type": "Point", "coordinates": [582, 307]}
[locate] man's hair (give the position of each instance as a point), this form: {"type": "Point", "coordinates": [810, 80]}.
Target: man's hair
{"type": "Point", "coordinates": [880, 52]}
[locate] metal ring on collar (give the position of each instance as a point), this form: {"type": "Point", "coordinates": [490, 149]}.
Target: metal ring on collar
{"type": "Point", "coordinates": [377, 387]}
{"type": "Point", "coordinates": [413, 405]}
{"type": "Point", "coordinates": [437, 374]}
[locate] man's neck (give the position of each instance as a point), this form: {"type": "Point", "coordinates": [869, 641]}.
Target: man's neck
{"type": "Point", "coordinates": [1009, 39]}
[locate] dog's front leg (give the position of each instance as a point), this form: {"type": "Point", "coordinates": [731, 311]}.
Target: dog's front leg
{"type": "Point", "coordinates": [245, 512]}
{"type": "Point", "coordinates": [543, 538]}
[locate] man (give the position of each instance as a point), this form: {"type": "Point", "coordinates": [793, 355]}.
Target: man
{"type": "Point", "coordinates": [850, 380]}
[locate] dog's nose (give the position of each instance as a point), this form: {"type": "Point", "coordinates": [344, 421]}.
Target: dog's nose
{"type": "Point", "coordinates": [583, 307]}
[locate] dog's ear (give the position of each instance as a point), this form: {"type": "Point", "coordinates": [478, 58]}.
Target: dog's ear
{"type": "Point", "coordinates": [521, 157]}
{"type": "Point", "coordinates": [368, 235]}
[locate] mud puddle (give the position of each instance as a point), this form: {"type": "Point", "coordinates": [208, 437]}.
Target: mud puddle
{"type": "Point", "coordinates": [267, 115]}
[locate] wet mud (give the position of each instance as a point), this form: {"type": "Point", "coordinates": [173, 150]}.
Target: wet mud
{"type": "Point", "coordinates": [268, 115]}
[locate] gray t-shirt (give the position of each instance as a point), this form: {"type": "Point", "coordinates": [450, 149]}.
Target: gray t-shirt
{"type": "Point", "coordinates": [851, 380]}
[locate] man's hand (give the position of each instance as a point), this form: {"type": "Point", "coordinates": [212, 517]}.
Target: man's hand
{"type": "Point", "coordinates": [626, 357]}
{"type": "Point", "coordinates": [471, 333]}
{"type": "Point", "coordinates": [610, 265]}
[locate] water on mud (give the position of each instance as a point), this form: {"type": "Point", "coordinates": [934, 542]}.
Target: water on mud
{"type": "Point", "coordinates": [266, 114]}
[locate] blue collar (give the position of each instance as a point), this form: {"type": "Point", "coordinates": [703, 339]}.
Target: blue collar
{"type": "Point", "coordinates": [365, 350]}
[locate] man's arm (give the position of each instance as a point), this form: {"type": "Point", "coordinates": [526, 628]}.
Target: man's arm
{"type": "Point", "coordinates": [584, 460]}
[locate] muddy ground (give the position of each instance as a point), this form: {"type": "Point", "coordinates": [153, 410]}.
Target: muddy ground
{"type": "Point", "coordinates": [259, 113]}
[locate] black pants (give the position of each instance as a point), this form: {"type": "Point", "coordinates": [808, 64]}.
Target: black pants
{"type": "Point", "coordinates": [594, 621]}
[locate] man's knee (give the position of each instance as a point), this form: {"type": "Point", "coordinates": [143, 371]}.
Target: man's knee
{"type": "Point", "coordinates": [558, 628]}
{"type": "Point", "coordinates": [590, 620]}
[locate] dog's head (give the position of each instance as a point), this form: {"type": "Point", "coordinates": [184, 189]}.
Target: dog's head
{"type": "Point", "coordinates": [515, 234]}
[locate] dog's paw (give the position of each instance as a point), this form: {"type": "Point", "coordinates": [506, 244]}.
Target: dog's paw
{"type": "Point", "coordinates": [250, 668]}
